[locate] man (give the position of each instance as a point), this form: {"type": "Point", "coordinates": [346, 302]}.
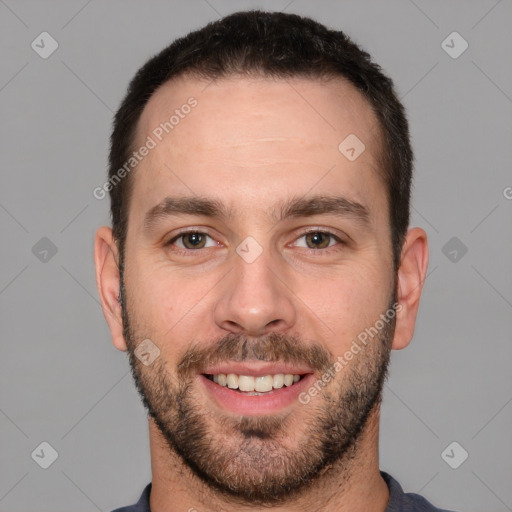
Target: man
{"type": "Point", "coordinates": [260, 267]}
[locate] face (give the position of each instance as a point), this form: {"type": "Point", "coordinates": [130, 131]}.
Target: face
{"type": "Point", "coordinates": [275, 276]}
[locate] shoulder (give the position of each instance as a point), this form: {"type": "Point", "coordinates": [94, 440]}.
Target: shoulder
{"type": "Point", "coordinates": [406, 502]}
{"type": "Point", "coordinates": [398, 500]}
{"type": "Point", "coordinates": [141, 506]}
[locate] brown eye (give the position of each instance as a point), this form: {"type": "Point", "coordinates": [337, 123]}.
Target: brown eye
{"type": "Point", "coordinates": [193, 240]}
{"type": "Point", "coordinates": [318, 239]}
{"type": "Point", "coordinates": [190, 240]}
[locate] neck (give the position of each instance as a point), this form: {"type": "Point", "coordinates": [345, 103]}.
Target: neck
{"type": "Point", "coordinates": [354, 483]}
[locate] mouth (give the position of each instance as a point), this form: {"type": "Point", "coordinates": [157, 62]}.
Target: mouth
{"type": "Point", "coordinates": [255, 385]}
{"type": "Point", "coordinates": [250, 390]}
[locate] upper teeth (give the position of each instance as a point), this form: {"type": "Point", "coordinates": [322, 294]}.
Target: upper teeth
{"type": "Point", "coordinates": [249, 383]}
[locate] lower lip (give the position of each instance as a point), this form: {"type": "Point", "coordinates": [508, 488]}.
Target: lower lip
{"type": "Point", "coordinates": [268, 403]}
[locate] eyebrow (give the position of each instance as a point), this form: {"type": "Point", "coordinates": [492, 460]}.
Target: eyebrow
{"type": "Point", "coordinates": [293, 208]}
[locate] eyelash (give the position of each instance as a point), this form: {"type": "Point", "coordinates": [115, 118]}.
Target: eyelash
{"type": "Point", "coordinates": [188, 252]}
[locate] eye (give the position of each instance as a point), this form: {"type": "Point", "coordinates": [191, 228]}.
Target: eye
{"type": "Point", "coordinates": [317, 239]}
{"type": "Point", "coordinates": [187, 242]}
{"type": "Point", "coordinates": [191, 240]}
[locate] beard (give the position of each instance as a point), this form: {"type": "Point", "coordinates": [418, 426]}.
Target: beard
{"type": "Point", "coordinates": [268, 459]}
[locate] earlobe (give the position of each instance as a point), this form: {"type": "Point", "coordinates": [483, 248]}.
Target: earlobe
{"type": "Point", "coordinates": [108, 283]}
{"type": "Point", "coordinates": [411, 276]}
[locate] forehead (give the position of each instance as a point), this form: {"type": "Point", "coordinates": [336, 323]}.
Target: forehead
{"type": "Point", "coordinates": [327, 108]}
{"type": "Point", "coordinates": [263, 137]}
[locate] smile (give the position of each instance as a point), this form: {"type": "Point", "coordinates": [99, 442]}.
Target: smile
{"type": "Point", "coordinates": [254, 385]}
{"type": "Point", "coordinates": [251, 389]}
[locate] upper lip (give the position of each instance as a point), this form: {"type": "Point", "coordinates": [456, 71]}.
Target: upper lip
{"type": "Point", "coordinates": [256, 369]}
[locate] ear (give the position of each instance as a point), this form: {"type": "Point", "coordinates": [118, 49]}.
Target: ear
{"type": "Point", "coordinates": [411, 275]}
{"type": "Point", "coordinates": [107, 280]}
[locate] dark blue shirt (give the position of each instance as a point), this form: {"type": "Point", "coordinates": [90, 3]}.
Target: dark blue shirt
{"type": "Point", "coordinates": [398, 500]}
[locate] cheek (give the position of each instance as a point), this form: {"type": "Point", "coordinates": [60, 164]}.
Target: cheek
{"type": "Point", "coordinates": [167, 305]}
{"type": "Point", "coordinates": [350, 301]}
{"type": "Point", "coordinates": [152, 301]}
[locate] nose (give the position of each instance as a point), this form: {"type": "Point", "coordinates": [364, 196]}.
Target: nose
{"type": "Point", "coordinates": [255, 299]}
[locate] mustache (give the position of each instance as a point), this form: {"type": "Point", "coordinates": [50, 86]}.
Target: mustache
{"type": "Point", "coordinates": [275, 347]}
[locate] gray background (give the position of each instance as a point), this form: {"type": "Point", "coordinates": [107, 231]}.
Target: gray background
{"type": "Point", "coordinates": [62, 381]}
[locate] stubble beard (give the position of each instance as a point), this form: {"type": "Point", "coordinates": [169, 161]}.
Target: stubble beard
{"type": "Point", "coordinates": [249, 459]}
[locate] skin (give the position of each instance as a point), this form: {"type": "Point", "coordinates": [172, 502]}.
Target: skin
{"type": "Point", "coordinates": [251, 143]}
